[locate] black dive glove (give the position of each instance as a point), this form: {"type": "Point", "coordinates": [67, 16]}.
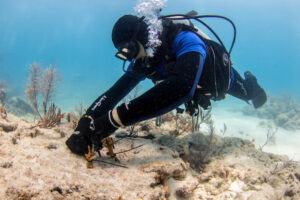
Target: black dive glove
{"type": "Point", "coordinates": [78, 142]}
{"type": "Point", "coordinates": [90, 132]}
{"type": "Point", "coordinates": [256, 94]}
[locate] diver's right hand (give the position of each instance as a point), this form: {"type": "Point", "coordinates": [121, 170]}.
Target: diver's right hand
{"type": "Point", "coordinates": [80, 139]}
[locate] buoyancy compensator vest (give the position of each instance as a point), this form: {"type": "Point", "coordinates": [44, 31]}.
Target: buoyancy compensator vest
{"type": "Point", "coordinates": [215, 78]}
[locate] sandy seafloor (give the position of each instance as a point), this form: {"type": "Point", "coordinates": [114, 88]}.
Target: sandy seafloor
{"type": "Point", "coordinates": [249, 127]}
{"type": "Point", "coordinates": [36, 164]}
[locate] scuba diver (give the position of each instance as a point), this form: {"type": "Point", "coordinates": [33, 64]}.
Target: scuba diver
{"type": "Point", "coordinates": [187, 68]}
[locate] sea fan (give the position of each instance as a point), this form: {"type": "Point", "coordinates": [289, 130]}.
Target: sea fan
{"type": "Point", "coordinates": [46, 85]}
{"type": "Point", "coordinates": [33, 86]}
{"type": "Point", "coordinates": [49, 84]}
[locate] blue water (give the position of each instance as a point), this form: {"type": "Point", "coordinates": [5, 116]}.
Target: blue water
{"type": "Point", "coordinates": [75, 35]}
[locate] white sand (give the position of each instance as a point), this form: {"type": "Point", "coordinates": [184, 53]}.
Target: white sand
{"type": "Point", "coordinates": [248, 127]}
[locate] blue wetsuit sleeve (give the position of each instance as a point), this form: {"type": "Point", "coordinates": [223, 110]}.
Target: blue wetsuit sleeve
{"type": "Point", "coordinates": [187, 41]}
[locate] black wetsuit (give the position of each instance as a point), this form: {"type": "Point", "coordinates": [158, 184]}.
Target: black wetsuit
{"type": "Point", "coordinates": [199, 73]}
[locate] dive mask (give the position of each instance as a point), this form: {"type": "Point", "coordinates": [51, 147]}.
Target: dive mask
{"type": "Point", "coordinates": [128, 50]}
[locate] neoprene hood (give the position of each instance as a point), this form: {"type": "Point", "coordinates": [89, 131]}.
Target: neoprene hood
{"type": "Point", "coordinates": [129, 27]}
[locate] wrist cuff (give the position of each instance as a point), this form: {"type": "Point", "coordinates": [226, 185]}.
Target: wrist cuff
{"type": "Point", "coordinates": [113, 122]}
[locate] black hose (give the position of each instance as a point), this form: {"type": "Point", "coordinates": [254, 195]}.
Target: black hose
{"type": "Point", "coordinates": [123, 67]}
{"type": "Point", "coordinates": [207, 26]}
